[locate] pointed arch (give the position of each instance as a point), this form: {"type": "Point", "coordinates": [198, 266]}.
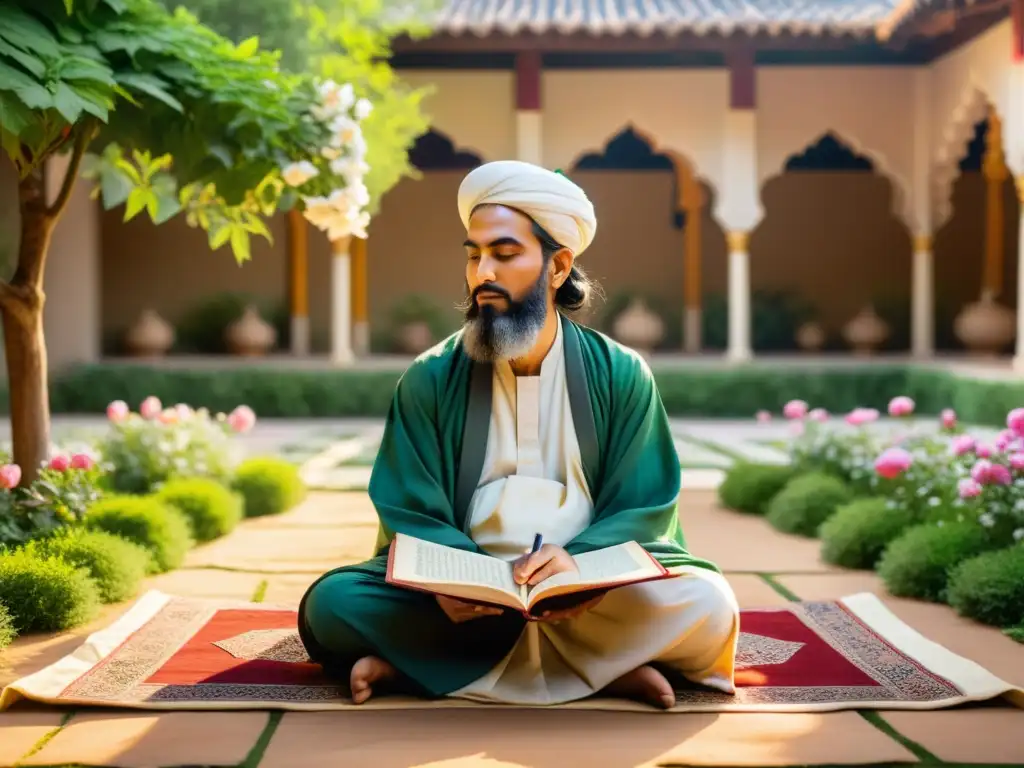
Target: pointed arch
{"type": "Point", "coordinates": [829, 153]}
{"type": "Point", "coordinates": [953, 143]}
{"type": "Point", "coordinates": [435, 151]}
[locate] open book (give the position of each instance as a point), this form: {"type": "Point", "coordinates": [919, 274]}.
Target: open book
{"type": "Point", "coordinates": [472, 577]}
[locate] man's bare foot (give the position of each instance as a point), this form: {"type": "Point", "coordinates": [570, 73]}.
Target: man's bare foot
{"type": "Point", "coordinates": [646, 684]}
{"type": "Point", "coordinates": [365, 673]}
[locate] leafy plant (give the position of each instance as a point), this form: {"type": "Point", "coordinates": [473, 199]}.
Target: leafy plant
{"type": "Point", "coordinates": [806, 502]}
{"type": "Point", "coordinates": [917, 563]}
{"type": "Point", "coordinates": [45, 594]}
{"type": "Point", "coordinates": [857, 534]}
{"type": "Point", "coordinates": [269, 485]}
{"type": "Point", "coordinates": [57, 498]}
{"type": "Point", "coordinates": [750, 487]}
{"type": "Point", "coordinates": [7, 630]}
{"type": "Point", "coordinates": [211, 509]}
{"type": "Point", "coordinates": [147, 521]}
{"type": "Point", "coordinates": [990, 587]}
{"type": "Point", "coordinates": [185, 122]}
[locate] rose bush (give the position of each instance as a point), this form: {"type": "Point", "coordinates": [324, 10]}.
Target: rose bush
{"type": "Point", "coordinates": [934, 496]}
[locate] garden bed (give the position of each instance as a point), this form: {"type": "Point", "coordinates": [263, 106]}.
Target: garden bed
{"type": "Point", "coordinates": [99, 520]}
{"type": "Point", "coordinates": [727, 392]}
{"type": "Point", "coordinates": [938, 514]}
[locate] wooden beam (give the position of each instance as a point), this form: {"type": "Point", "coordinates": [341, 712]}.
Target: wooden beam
{"type": "Point", "coordinates": [742, 79]}
{"type": "Point", "coordinates": [528, 69]}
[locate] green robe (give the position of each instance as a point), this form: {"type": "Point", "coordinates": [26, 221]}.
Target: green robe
{"type": "Point", "coordinates": [427, 468]}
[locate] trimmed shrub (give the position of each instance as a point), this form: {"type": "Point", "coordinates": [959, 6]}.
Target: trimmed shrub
{"type": "Point", "coordinates": [7, 631]}
{"type": "Point", "coordinates": [806, 502]}
{"type": "Point", "coordinates": [46, 594]}
{"type": "Point", "coordinates": [155, 525]}
{"type": "Point", "coordinates": [1015, 633]}
{"type": "Point", "coordinates": [269, 485]}
{"type": "Point", "coordinates": [857, 534]}
{"type": "Point", "coordinates": [117, 565]}
{"type": "Point", "coordinates": [917, 563]}
{"type": "Point", "coordinates": [990, 587]}
{"type": "Point", "coordinates": [211, 509]}
{"type": "Point", "coordinates": [749, 487]}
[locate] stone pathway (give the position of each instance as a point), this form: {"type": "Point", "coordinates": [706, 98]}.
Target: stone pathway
{"type": "Point", "coordinates": [275, 559]}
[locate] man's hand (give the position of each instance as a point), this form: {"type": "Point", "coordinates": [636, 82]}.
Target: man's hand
{"type": "Point", "coordinates": [571, 613]}
{"type": "Point", "coordinates": [542, 564]}
{"type": "Point", "coordinates": [458, 611]}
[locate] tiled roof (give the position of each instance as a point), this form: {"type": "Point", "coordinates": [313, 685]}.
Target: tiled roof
{"type": "Point", "coordinates": [646, 17]}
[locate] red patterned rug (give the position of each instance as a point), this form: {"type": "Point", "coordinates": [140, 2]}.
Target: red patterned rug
{"type": "Point", "coordinates": [185, 653]}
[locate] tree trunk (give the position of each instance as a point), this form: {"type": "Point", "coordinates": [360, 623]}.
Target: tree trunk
{"type": "Point", "coordinates": [28, 387]}
{"type": "Point", "coordinates": [21, 303]}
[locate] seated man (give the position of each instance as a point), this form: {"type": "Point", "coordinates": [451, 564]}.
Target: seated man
{"type": "Point", "coordinates": [523, 422]}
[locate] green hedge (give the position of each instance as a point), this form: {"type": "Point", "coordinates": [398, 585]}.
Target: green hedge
{"type": "Point", "coordinates": [709, 392]}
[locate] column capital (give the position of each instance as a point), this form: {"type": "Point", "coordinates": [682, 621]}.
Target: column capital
{"type": "Point", "coordinates": [923, 242]}
{"type": "Point", "coordinates": [737, 240]}
{"type": "Point", "coordinates": [339, 246]}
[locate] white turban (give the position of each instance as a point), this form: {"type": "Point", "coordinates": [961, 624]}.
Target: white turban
{"type": "Point", "coordinates": [550, 199]}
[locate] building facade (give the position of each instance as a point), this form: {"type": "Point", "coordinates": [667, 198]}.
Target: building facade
{"type": "Point", "coordinates": [763, 173]}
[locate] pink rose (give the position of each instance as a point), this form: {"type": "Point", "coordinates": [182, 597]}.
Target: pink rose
{"type": "Point", "coordinates": [969, 488]}
{"type": "Point", "coordinates": [1017, 460]}
{"type": "Point", "coordinates": [60, 463]}
{"type": "Point", "coordinates": [81, 461]}
{"type": "Point", "coordinates": [10, 476]}
{"type": "Point", "coordinates": [901, 406]}
{"type": "Point", "coordinates": [893, 462]}
{"type": "Point", "coordinates": [117, 410]}
{"type": "Point", "coordinates": [242, 419]}
{"type": "Point", "coordinates": [986, 472]}
{"type": "Point", "coordinates": [794, 409]}
{"type": "Point", "coordinates": [1004, 439]}
{"type": "Point", "coordinates": [184, 411]}
{"type": "Point", "coordinates": [818, 414]}
{"type": "Point", "coordinates": [859, 416]}
{"type": "Point", "coordinates": [168, 416]}
{"type": "Point", "coordinates": [983, 450]}
{"type": "Point", "coordinates": [1015, 421]}
{"type": "Point", "coordinates": [962, 444]}
{"type": "Point", "coordinates": [948, 418]}
{"type": "Point", "coordinates": [763, 417]}
{"type": "Point", "coordinates": [151, 407]}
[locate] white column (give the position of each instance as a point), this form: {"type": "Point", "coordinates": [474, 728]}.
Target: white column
{"type": "Point", "coordinates": [739, 210]}
{"type": "Point", "coordinates": [918, 215]}
{"type": "Point", "coordinates": [922, 298]}
{"type": "Point", "coordinates": [739, 297]}
{"type": "Point", "coordinates": [528, 136]}
{"type": "Point", "coordinates": [341, 302]}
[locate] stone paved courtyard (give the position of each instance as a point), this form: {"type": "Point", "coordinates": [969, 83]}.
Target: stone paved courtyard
{"type": "Point", "coordinates": [274, 559]}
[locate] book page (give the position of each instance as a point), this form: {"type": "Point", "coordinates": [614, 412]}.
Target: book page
{"type": "Point", "coordinates": [424, 562]}
{"type": "Point", "coordinates": [611, 565]}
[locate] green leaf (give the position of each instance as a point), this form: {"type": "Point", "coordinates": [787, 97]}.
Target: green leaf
{"type": "Point", "coordinates": [27, 33]}
{"type": "Point", "coordinates": [150, 85]}
{"type": "Point", "coordinates": [69, 6]}
{"type": "Point", "coordinates": [138, 199]}
{"type": "Point", "coordinates": [34, 66]}
{"type": "Point", "coordinates": [81, 68]}
{"type": "Point", "coordinates": [240, 243]}
{"type": "Point", "coordinates": [14, 115]}
{"type": "Point", "coordinates": [219, 236]}
{"type": "Point", "coordinates": [115, 188]}
{"type": "Point", "coordinates": [68, 103]}
{"type": "Point", "coordinates": [247, 48]}
{"type": "Point", "coordinates": [31, 93]}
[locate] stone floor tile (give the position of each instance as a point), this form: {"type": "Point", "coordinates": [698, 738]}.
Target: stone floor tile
{"type": "Point", "coordinates": [984, 645]}
{"type": "Point", "coordinates": [151, 740]}
{"type": "Point", "coordinates": [738, 542]}
{"type": "Point", "coordinates": [966, 735]}
{"type": "Point", "coordinates": [556, 738]}
{"type": "Point", "coordinates": [753, 592]}
{"type": "Point", "coordinates": [288, 550]}
{"type": "Point", "coordinates": [321, 509]}
{"type": "Point", "coordinates": [207, 582]}
{"type": "Point", "coordinates": [20, 731]}
{"type": "Point", "coordinates": [287, 588]}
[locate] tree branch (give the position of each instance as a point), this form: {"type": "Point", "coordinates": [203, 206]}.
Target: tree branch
{"type": "Point", "coordinates": [14, 301]}
{"type": "Point", "coordinates": [77, 153]}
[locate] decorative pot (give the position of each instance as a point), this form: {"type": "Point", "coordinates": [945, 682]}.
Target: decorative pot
{"type": "Point", "coordinates": [151, 336]}
{"type": "Point", "coordinates": [415, 337]}
{"type": "Point", "coordinates": [250, 335]}
{"type": "Point", "coordinates": [986, 326]}
{"type": "Point", "coordinates": [810, 337]}
{"type": "Point", "coordinates": [866, 332]}
{"type": "Point", "coordinates": [638, 327]}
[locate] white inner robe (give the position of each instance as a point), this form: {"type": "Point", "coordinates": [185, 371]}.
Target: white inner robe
{"type": "Point", "coordinates": [533, 482]}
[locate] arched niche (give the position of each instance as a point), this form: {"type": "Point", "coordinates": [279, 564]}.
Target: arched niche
{"type": "Point", "coordinates": [831, 243]}
{"type": "Point", "coordinates": [435, 151]}
{"type": "Point", "coordinates": [630, 151]}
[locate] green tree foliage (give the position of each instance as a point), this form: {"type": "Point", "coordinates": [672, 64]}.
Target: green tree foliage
{"type": "Point", "coordinates": [184, 120]}
{"type": "Point", "coordinates": [348, 41]}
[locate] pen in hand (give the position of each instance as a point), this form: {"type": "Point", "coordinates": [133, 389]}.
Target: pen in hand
{"type": "Point", "coordinates": [538, 541]}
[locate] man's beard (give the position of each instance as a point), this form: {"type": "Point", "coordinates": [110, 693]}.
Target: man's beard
{"type": "Point", "coordinates": [492, 333]}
